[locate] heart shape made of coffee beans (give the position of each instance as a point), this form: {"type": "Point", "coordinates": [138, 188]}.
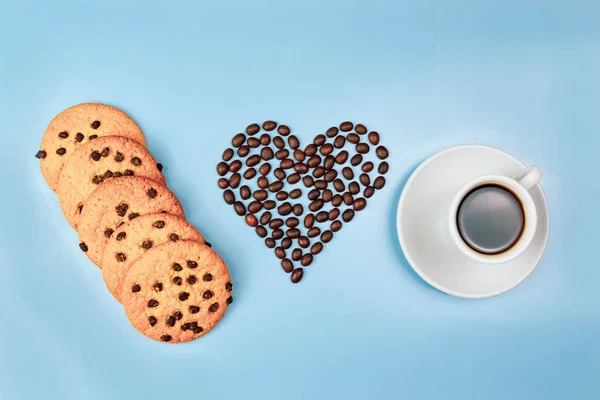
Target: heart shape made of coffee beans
{"type": "Point", "coordinates": [334, 174]}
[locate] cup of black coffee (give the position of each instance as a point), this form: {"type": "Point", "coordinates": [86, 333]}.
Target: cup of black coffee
{"type": "Point", "coordinates": [493, 218]}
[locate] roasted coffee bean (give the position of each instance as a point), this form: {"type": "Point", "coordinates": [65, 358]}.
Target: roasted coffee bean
{"type": "Point", "coordinates": [316, 248]}
{"type": "Point", "coordinates": [265, 217]}
{"type": "Point", "coordinates": [339, 185]}
{"type": "Point", "coordinates": [297, 275]}
{"type": "Point", "coordinates": [339, 142]}
{"type": "Point", "coordinates": [285, 209]}
{"type": "Point", "coordinates": [243, 151]}
{"type": "Point", "coordinates": [356, 160]}
{"type": "Point", "coordinates": [368, 166]}
{"type": "Point", "coordinates": [365, 180]}
{"type": "Point", "coordinates": [227, 154]}
{"type": "Point", "coordinates": [278, 142]}
{"type": "Point", "coordinates": [280, 252]}
{"type": "Point", "coordinates": [250, 173]}
{"type": "Point", "coordinates": [293, 179]}
{"type": "Point", "coordinates": [360, 129]}
{"type": "Point", "coordinates": [379, 182]}
{"type": "Point", "coordinates": [337, 200]}
{"type": "Point", "coordinates": [235, 166]}
{"type": "Point", "coordinates": [276, 186]}
{"type": "Point", "coordinates": [322, 216]}
{"type": "Point", "coordinates": [295, 194]}
{"type": "Point", "coordinates": [359, 204]}
{"type": "Point", "coordinates": [282, 154]}
{"type": "Point", "coordinates": [222, 168]}
{"type": "Point", "coordinates": [238, 140]}
{"type": "Point", "coordinates": [314, 232]}
{"type": "Point", "coordinates": [265, 139]}
{"type": "Point", "coordinates": [293, 142]}
{"type": "Point", "coordinates": [369, 191]}
{"type": "Point", "coordinates": [308, 181]}
{"type": "Point", "coordinates": [329, 162]}
{"type": "Point", "coordinates": [326, 149]}
{"type": "Point", "coordinates": [362, 148]}
{"type": "Point", "coordinates": [348, 173]}
{"type": "Point", "coordinates": [348, 199]}
{"type": "Point", "coordinates": [281, 196]}
{"type": "Point", "coordinates": [260, 195]}
{"type": "Point", "coordinates": [303, 241]}
{"type": "Point", "coordinates": [346, 126]}
{"type": "Point", "coordinates": [270, 242]}
{"type": "Point", "coordinates": [301, 168]}
{"type": "Point", "coordinates": [245, 192]}
{"type": "Point", "coordinates": [296, 254]}
{"type": "Point", "coordinates": [331, 132]}
{"type": "Point", "coordinates": [334, 213]}
{"type": "Point", "coordinates": [336, 226]}
{"type": "Point", "coordinates": [287, 265]}
{"type": "Point", "coordinates": [374, 138]}
{"type": "Point", "coordinates": [353, 138]}
{"type": "Point", "coordinates": [327, 195]}
{"type": "Point", "coordinates": [292, 222]}
{"type": "Point", "coordinates": [330, 175]}
{"type": "Point", "coordinates": [293, 233]}
{"type": "Point", "coordinates": [235, 180]}
{"type": "Point", "coordinates": [310, 150]}
{"type": "Point", "coordinates": [279, 174]}
{"type": "Point", "coordinates": [319, 140]}
{"type": "Point", "coordinates": [316, 205]}
{"type": "Point", "coordinates": [276, 223]}
{"type": "Point", "coordinates": [255, 207]}
{"type": "Point", "coordinates": [253, 160]}
{"type": "Point", "coordinates": [252, 129]}
{"type": "Point", "coordinates": [287, 163]}
{"type": "Point", "coordinates": [299, 155]}
{"type": "Point", "coordinates": [314, 194]}
{"type": "Point", "coordinates": [41, 154]}
{"type": "Point", "coordinates": [277, 234]}
{"type": "Point", "coordinates": [269, 204]}
{"type": "Point", "coordinates": [318, 172]}
{"type": "Point", "coordinates": [383, 168]}
{"type": "Point", "coordinates": [298, 209]}
{"type": "Point", "coordinates": [326, 236]}
{"type": "Point", "coordinates": [251, 220]}
{"type": "Point", "coordinates": [283, 130]}
{"type": "Point", "coordinates": [382, 152]}
{"type": "Point", "coordinates": [265, 169]}
{"type": "Point", "coordinates": [239, 208]}
{"type": "Point", "coordinates": [269, 125]}
{"type": "Point", "coordinates": [286, 243]}
{"type": "Point", "coordinates": [321, 184]}
{"type": "Point", "coordinates": [267, 153]}
{"type": "Point", "coordinates": [309, 221]}
{"type": "Point", "coordinates": [262, 182]}
{"type": "Point", "coordinates": [307, 259]}
{"type": "Point", "coordinates": [253, 142]}
{"type": "Point", "coordinates": [261, 231]}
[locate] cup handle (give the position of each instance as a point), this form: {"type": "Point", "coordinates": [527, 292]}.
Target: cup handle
{"type": "Point", "coordinates": [530, 177]}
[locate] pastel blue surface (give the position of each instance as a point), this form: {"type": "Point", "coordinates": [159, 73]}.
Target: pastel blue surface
{"type": "Point", "coordinates": [361, 325]}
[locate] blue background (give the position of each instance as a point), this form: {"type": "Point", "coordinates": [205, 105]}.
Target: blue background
{"type": "Point", "coordinates": [521, 76]}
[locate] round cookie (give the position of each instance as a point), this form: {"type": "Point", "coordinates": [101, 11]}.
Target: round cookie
{"type": "Point", "coordinates": [137, 236]}
{"type": "Point", "coordinates": [176, 292]}
{"type": "Point", "coordinates": [77, 125]}
{"type": "Point", "coordinates": [97, 161]}
{"type": "Point", "coordinates": [114, 203]}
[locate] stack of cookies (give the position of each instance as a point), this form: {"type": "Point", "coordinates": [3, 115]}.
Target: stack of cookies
{"type": "Point", "coordinates": [174, 287]}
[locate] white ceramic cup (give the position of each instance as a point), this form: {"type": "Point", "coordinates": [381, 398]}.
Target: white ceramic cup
{"type": "Point", "coordinates": [519, 186]}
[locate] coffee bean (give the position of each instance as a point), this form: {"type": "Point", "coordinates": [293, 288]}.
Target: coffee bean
{"type": "Point", "coordinates": [269, 204]}
{"type": "Point", "coordinates": [267, 153]}
{"type": "Point", "coordinates": [299, 155]}
{"type": "Point", "coordinates": [279, 173]}
{"type": "Point", "coordinates": [235, 180]}
{"type": "Point", "coordinates": [281, 196]}
{"type": "Point", "coordinates": [222, 168]}
{"type": "Point", "coordinates": [316, 205]}
{"type": "Point", "coordinates": [269, 125]}
{"type": "Point", "coordinates": [277, 234]}
{"type": "Point", "coordinates": [293, 233]}
{"type": "Point", "coordinates": [382, 152]}
{"type": "Point", "coordinates": [319, 140]}
{"type": "Point", "coordinates": [326, 236]}
{"type": "Point", "coordinates": [243, 151]}
{"type": "Point", "coordinates": [239, 208]}
{"type": "Point", "coordinates": [336, 226]}
{"type": "Point", "coordinates": [282, 154]}
{"type": "Point", "coordinates": [253, 160]}
{"type": "Point", "coordinates": [346, 126]}
{"type": "Point", "coordinates": [339, 185]}
{"type": "Point", "coordinates": [227, 154]}
{"type": "Point", "coordinates": [322, 216]}
{"type": "Point", "coordinates": [309, 221]}
{"type": "Point", "coordinates": [245, 192]}
{"type": "Point", "coordinates": [379, 182]}
{"type": "Point", "coordinates": [251, 220]}
{"type": "Point", "coordinates": [260, 195]}
{"type": "Point", "coordinates": [353, 138]}
{"type": "Point", "coordinates": [314, 161]}
{"type": "Point", "coordinates": [303, 241]}
{"type": "Point", "coordinates": [308, 181]}
{"type": "Point", "coordinates": [223, 183]}
{"type": "Point", "coordinates": [287, 265]}
{"type": "Point", "coordinates": [286, 243]}
{"type": "Point", "coordinates": [334, 213]}
{"type": "Point", "coordinates": [293, 142]}
{"type": "Point", "coordinates": [383, 168]}
{"type": "Point", "coordinates": [310, 150]}
{"type": "Point", "coordinates": [356, 160]}
{"type": "Point", "coordinates": [326, 149]}
{"type": "Point", "coordinates": [316, 248]}
{"type": "Point", "coordinates": [321, 184]}
{"type": "Point", "coordinates": [270, 242]}
{"type": "Point", "coordinates": [292, 222]}
{"type": "Point", "coordinates": [339, 142]}
{"type": "Point", "coordinates": [348, 199]}
{"type": "Point", "coordinates": [314, 194]}
{"type": "Point", "coordinates": [278, 142]}
{"type": "Point", "coordinates": [295, 194]}
{"type": "Point", "coordinates": [365, 180]}
{"type": "Point", "coordinates": [252, 129]}
{"type": "Point", "coordinates": [253, 142]}
{"type": "Point", "coordinates": [296, 254]}
{"type": "Point", "coordinates": [297, 275]}
{"type": "Point", "coordinates": [362, 148]}
{"type": "Point", "coordinates": [298, 209]}
{"type": "Point", "coordinates": [301, 168]}
{"type": "Point", "coordinates": [313, 232]}
{"type": "Point", "coordinates": [40, 155]}
{"type": "Point", "coordinates": [348, 173]}
{"type": "Point", "coordinates": [261, 231]}
{"type": "Point", "coordinates": [307, 259]}
{"type": "Point", "coordinates": [331, 132]}
{"type": "Point", "coordinates": [359, 204]}
{"type": "Point", "coordinates": [354, 188]}
{"type": "Point", "coordinates": [285, 209]}
{"type": "Point", "coordinates": [265, 217]}
{"type": "Point", "coordinates": [283, 130]}
{"type": "Point", "coordinates": [255, 207]}
{"type": "Point", "coordinates": [238, 140]}
{"type": "Point", "coordinates": [368, 166]}
{"type": "Point", "coordinates": [235, 166]}
{"type": "Point", "coordinates": [250, 173]}
{"type": "Point", "coordinates": [265, 169]}
{"type": "Point", "coordinates": [287, 163]}
{"type": "Point", "coordinates": [276, 186]}
{"type": "Point", "coordinates": [337, 200]}
{"type": "Point", "coordinates": [374, 138]}
{"type": "Point", "coordinates": [280, 252]}
{"type": "Point", "coordinates": [276, 223]}
{"type": "Point", "coordinates": [329, 162]}
{"type": "Point", "coordinates": [361, 129]}
{"type": "Point", "coordinates": [330, 175]}
{"type": "Point", "coordinates": [369, 191]}
{"type": "Point", "coordinates": [327, 195]}
{"type": "Point", "coordinates": [318, 172]}
{"type": "Point", "coordinates": [262, 182]}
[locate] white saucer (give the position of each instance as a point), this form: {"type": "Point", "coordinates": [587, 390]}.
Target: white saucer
{"type": "Point", "coordinates": [428, 192]}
